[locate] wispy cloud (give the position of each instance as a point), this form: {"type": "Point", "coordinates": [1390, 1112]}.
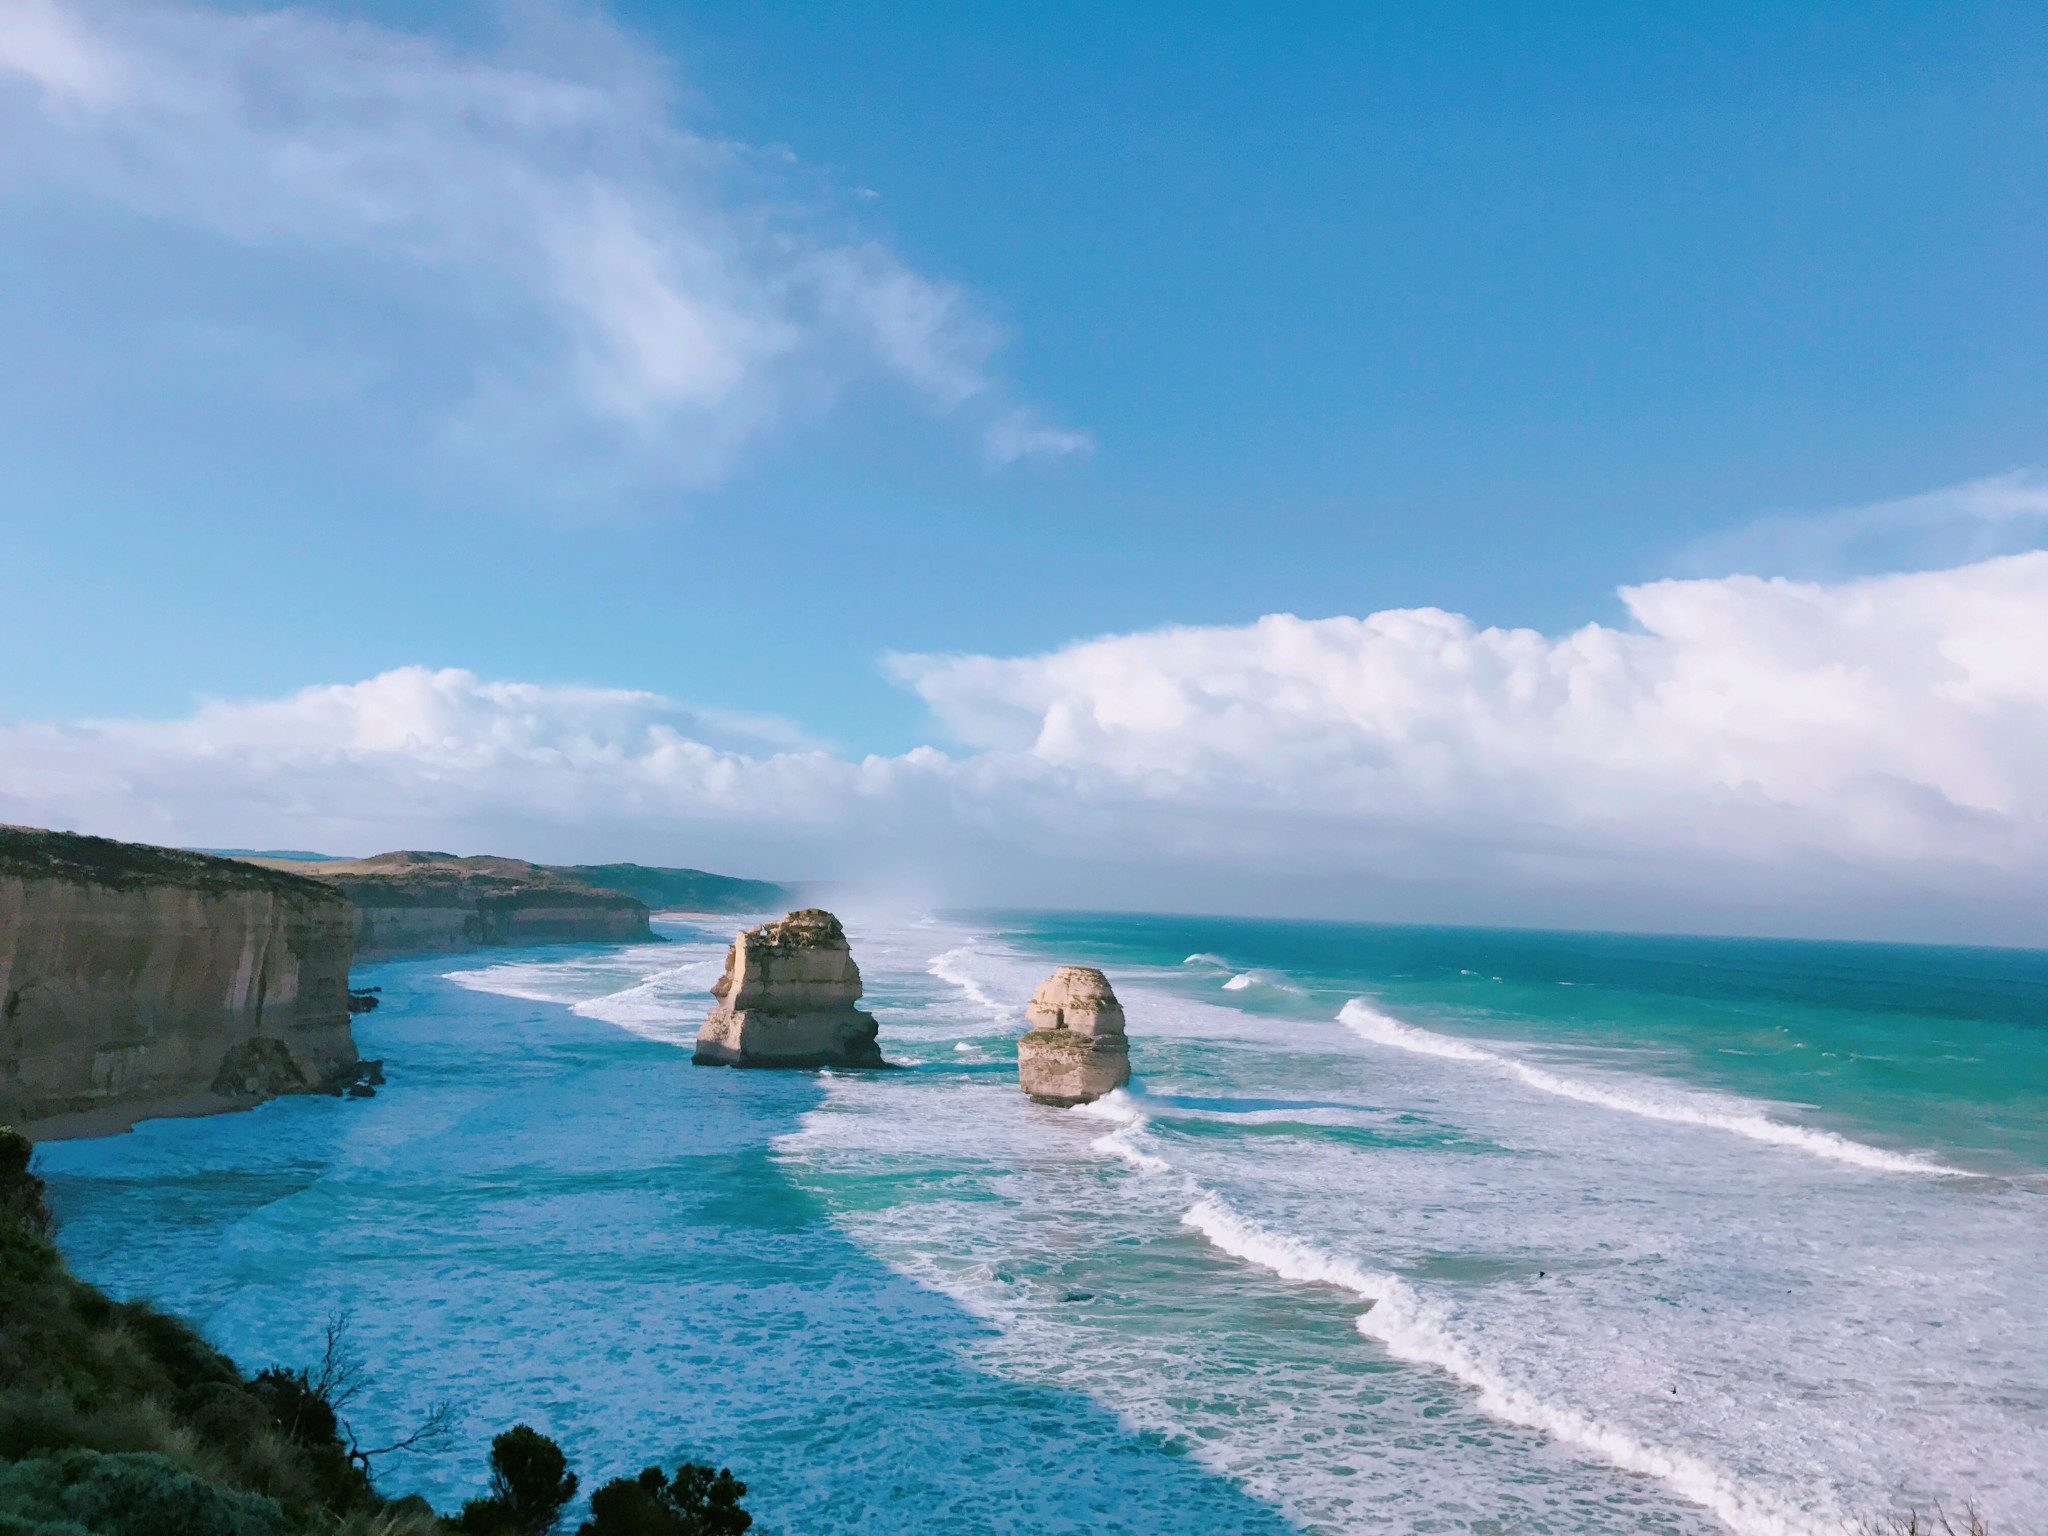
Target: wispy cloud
{"type": "Point", "coordinates": [671, 294]}
{"type": "Point", "coordinates": [1957, 525]}
{"type": "Point", "coordinates": [1751, 753]}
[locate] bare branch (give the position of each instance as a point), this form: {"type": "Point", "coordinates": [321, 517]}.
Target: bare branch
{"type": "Point", "coordinates": [438, 1425]}
{"type": "Point", "coordinates": [339, 1376]}
{"type": "Point", "coordinates": [1911, 1522]}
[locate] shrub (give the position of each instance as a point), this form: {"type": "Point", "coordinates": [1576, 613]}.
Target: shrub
{"type": "Point", "coordinates": [695, 1502]}
{"type": "Point", "coordinates": [21, 1192]}
{"type": "Point", "coordinates": [530, 1485]}
{"type": "Point", "coordinates": [131, 1494]}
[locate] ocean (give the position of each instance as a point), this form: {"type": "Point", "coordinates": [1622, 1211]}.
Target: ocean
{"type": "Point", "coordinates": [1397, 1230]}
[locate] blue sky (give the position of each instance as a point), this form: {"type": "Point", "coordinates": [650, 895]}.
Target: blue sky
{"type": "Point", "coordinates": [1013, 326]}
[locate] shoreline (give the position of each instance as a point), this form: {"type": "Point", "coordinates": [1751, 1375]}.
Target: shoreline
{"type": "Point", "coordinates": [119, 1119]}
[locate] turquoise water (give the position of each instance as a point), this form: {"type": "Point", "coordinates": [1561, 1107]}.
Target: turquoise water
{"type": "Point", "coordinates": [1398, 1230]}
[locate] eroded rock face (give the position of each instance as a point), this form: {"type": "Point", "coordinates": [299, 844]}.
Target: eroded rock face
{"type": "Point", "coordinates": [787, 1000]}
{"type": "Point", "coordinates": [1076, 1050]}
{"type": "Point", "coordinates": [139, 981]}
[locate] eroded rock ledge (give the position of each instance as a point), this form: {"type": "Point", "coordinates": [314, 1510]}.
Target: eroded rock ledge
{"type": "Point", "coordinates": [139, 981]}
{"type": "Point", "coordinates": [787, 1000]}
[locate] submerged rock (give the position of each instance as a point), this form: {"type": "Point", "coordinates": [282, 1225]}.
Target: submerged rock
{"type": "Point", "coordinates": [1076, 1050]}
{"type": "Point", "coordinates": [787, 1000]}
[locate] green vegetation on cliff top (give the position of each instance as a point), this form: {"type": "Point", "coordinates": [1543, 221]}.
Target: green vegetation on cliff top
{"type": "Point", "coordinates": [412, 876]}
{"type": "Point", "coordinates": [32, 853]}
{"type": "Point", "coordinates": [395, 879]}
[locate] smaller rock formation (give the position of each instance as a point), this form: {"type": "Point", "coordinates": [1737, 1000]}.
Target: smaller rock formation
{"type": "Point", "coordinates": [1076, 1050]}
{"type": "Point", "coordinates": [787, 1000]}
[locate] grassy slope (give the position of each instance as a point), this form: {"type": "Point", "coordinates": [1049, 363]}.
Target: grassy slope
{"type": "Point", "coordinates": [110, 1411]}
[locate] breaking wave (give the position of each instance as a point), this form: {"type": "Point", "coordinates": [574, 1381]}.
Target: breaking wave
{"type": "Point", "coordinates": [1416, 1330]}
{"type": "Point", "coordinates": [947, 967]}
{"type": "Point", "coordinates": [1368, 1023]}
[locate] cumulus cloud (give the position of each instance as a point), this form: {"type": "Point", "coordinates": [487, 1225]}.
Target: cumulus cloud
{"type": "Point", "coordinates": [1854, 756]}
{"type": "Point", "coordinates": [671, 294]}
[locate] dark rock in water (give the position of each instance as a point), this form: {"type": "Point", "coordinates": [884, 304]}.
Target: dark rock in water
{"type": "Point", "coordinates": [362, 1002]}
{"type": "Point", "coordinates": [787, 1000]}
{"type": "Point", "coordinates": [361, 1091]}
{"type": "Point", "coordinates": [259, 1068]}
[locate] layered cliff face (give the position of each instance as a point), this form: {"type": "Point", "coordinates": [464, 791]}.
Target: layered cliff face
{"type": "Point", "coordinates": [411, 902]}
{"type": "Point", "coordinates": [1076, 1050]}
{"type": "Point", "coordinates": [139, 981]}
{"type": "Point", "coordinates": [787, 1000]}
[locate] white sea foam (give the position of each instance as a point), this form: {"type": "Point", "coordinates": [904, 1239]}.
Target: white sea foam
{"type": "Point", "coordinates": [654, 992]}
{"type": "Point", "coordinates": [1131, 1123]}
{"type": "Point", "coordinates": [1204, 958]}
{"type": "Point", "coordinates": [950, 968]}
{"type": "Point", "coordinates": [1415, 1329]}
{"type": "Point", "coordinates": [1245, 980]}
{"type": "Point", "coordinates": [1368, 1023]}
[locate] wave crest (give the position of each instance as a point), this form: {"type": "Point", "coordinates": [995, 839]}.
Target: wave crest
{"type": "Point", "coordinates": [1414, 1329]}
{"type": "Point", "coordinates": [1368, 1023]}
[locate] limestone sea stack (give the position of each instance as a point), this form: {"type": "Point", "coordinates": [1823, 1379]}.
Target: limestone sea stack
{"type": "Point", "coordinates": [1076, 1050]}
{"type": "Point", "coordinates": [787, 1000]}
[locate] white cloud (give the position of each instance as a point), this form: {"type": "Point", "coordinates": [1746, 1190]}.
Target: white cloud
{"type": "Point", "coordinates": [1956, 525]}
{"type": "Point", "coordinates": [677, 294]}
{"type": "Point", "coordinates": [1861, 756]}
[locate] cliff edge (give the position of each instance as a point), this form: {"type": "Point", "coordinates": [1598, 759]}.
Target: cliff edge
{"type": "Point", "coordinates": [139, 981]}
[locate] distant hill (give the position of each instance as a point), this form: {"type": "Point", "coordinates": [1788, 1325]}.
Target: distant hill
{"type": "Point", "coordinates": [412, 900]}
{"type": "Point", "coordinates": [682, 890]}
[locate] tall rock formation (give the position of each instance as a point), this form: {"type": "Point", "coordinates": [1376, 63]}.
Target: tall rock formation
{"type": "Point", "coordinates": [139, 981]}
{"type": "Point", "coordinates": [787, 1000]}
{"type": "Point", "coordinates": [1076, 1050]}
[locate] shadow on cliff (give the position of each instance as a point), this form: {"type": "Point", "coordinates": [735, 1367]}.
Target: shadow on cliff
{"type": "Point", "coordinates": [549, 1219]}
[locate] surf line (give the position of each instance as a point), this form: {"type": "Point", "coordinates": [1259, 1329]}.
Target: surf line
{"type": "Point", "coordinates": [1411, 1328]}
{"type": "Point", "coordinates": [945, 968]}
{"type": "Point", "coordinates": [1368, 1023]}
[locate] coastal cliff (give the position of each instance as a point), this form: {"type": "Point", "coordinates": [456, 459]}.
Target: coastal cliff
{"type": "Point", "coordinates": [139, 981]}
{"type": "Point", "coordinates": [412, 902]}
